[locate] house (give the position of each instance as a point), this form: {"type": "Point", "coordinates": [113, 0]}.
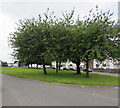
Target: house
{"type": "Point", "coordinates": [93, 65]}
{"type": "Point", "coordinates": [15, 64]}
{"type": "Point", "coordinates": [67, 65]}
{"type": "Point", "coordinates": [107, 64]}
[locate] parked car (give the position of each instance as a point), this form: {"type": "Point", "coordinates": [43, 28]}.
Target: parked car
{"type": "Point", "coordinates": [65, 69]}
{"type": "Point", "coordinates": [84, 70]}
{"type": "Point", "coordinates": [53, 67]}
{"type": "Point", "coordinates": [71, 69]}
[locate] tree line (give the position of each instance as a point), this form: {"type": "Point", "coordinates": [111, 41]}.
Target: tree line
{"type": "Point", "coordinates": [47, 39]}
{"type": "Point", "coordinates": [3, 64]}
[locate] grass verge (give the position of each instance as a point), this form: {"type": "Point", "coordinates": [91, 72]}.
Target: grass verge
{"type": "Point", "coordinates": [64, 76]}
{"type": "Point", "coordinates": [0, 69]}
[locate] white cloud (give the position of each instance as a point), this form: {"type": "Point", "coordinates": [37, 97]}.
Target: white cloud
{"type": "Point", "coordinates": [97, 1]}
{"type": "Point", "coordinates": [6, 27]}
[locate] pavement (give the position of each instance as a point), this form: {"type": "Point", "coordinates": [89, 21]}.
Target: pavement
{"type": "Point", "coordinates": [111, 74]}
{"type": "Point", "coordinates": [25, 92]}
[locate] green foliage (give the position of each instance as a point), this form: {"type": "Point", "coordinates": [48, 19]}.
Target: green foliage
{"type": "Point", "coordinates": [48, 39]}
{"type": "Point", "coordinates": [4, 64]}
{"type": "Point", "coordinates": [100, 38]}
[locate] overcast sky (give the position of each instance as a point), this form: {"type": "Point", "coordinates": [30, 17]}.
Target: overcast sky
{"type": "Point", "coordinates": [11, 11]}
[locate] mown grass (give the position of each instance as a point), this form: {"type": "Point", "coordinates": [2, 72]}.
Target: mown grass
{"type": "Point", "coordinates": [64, 76]}
{"type": "Point", "coordinates": [0, 70]}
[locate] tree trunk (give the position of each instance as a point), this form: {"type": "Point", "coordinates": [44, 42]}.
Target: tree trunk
{"type": "Point", "coordinates": [31, 65]}
{"type": "Point", "coordinates": [78, 68]}
{"type": "Point", "coordinates": [87, 68]}
{"type": "Point", "coordinates": [28, 66]}
{"type": "Point", "coordinates": [19, 65]}
{"type": "Point", "coordinates": [57, 66]}
{"type": "Point", "coordinates": [37, 66]}
{"type": "Point", "coordinates": [44, 68]}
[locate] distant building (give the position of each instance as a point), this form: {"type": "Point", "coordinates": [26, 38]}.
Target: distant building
{"type": "Point", "coordinates": [15, 64]}
{"type": "Point", "coordinates": [107, 64]}
{"type": "Point", "coordinates": [67, 65]}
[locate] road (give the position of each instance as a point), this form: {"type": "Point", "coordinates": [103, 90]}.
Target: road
{"type": "Point", "coordinates": [0, 89]}
{"type": "Point", "coordinates": [25, 92]}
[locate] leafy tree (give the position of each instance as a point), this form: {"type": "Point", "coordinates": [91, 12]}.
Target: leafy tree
{"type": "Point", "coordinates": [50, 39]}
{"type": "Point", "coordinates": [29, 41]}
{"type": "Point", "coordinates": [99, 37]}
{"type": "Point", "coordinates": [74, 33]}
{"type": "Point", "coordinates": [57, 42]}
{"type": "Point", "coordinates": [4, 64]}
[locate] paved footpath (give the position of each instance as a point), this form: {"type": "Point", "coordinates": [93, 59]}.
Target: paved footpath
{"type": "Point", "coordinates": [111, 74]}
{"type": "Point", "coordinates": [24, 92]}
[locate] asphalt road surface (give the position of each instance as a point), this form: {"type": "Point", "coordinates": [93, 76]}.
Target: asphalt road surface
{"type": "Point", "coordinates": [24, 92]}
{"type": "Point", "coordinates": [0, 89]}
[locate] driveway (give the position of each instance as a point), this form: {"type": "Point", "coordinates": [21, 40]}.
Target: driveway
{"type": "Point", "coordinates": [24, 92]}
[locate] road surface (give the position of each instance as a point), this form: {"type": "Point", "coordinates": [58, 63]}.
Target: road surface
{"type": "Point", "coordinates": [0, 89]}
{"type": "Point", "coordinates": [25, 92]}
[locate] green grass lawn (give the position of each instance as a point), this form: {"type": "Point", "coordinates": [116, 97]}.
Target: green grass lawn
{"type": "Point", "coordinates": [64, 76]}
{"type": "Point", "coordinates": [0, 70]}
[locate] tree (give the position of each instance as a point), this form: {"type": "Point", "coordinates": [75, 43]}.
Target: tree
{"type": "Point", "coordinates": [4, 64]}
{"type": "Point", "coordinates": [21, 41]}
{"type": "Point", "coordinates": [99, 36]}
{"type": "Point", "coordinates": [57, 41]}
{"type": "Point", "coordinates": [50, 39]}
{"type": "Point", "coordinates": [73, 51]}
{"type": "Point", "coordinates": [29, 41]}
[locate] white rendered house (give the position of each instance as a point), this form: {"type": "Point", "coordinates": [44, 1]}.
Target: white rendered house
{"type": "Point", "coordinates": [107, 64]}
{"type": "Point", "coordinates": [67, 65]}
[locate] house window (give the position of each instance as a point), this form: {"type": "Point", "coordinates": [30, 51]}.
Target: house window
{"type": "Point", "coordinates": [104, 65]}
{"type": "Point", "coordinates": [97, 65]}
